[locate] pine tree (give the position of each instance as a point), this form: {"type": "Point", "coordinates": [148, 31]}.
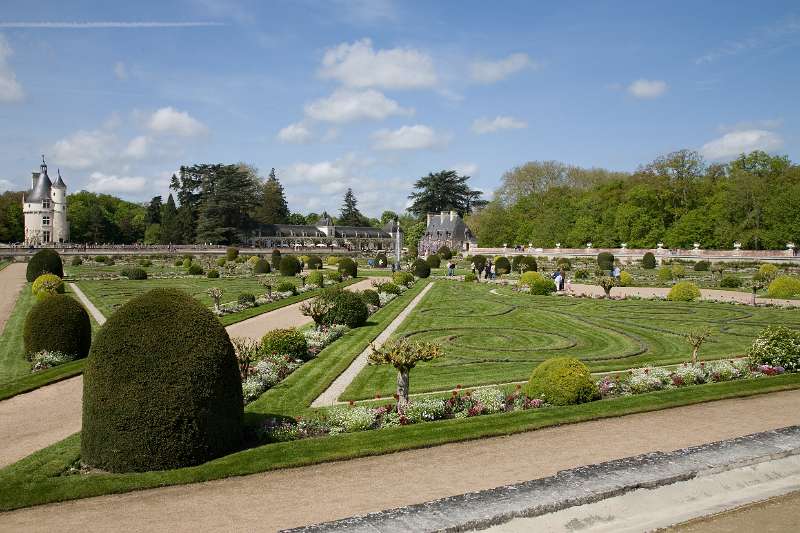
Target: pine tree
{"type": "Point", "coordinates": [153, 213]}
{"type": "Point", "coordinates": [349, 214]}
{"type": "Point", "coordinates": [170, 230]}
{"type": "Point", "coordinates": [444, 191]}
{"type": "Point", "coordinates": [273, 208]}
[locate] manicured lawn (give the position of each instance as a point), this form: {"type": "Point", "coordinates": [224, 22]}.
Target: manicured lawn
{"type": "Point", "coordinates": [499, 338]}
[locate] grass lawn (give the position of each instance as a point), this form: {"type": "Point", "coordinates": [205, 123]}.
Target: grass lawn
{"type": "Point", "coordinates": [498, 338]}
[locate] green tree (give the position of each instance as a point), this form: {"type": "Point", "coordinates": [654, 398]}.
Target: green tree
{"type": "Point", "coordinates": [349, 214]}
{"type": "Point", "coordinates": [228, 197]}
{"type": "Point", "coordinates": [12, 228]}
{"type": "Point", "coordinates": [297, 219]}
{"type": "Point", "coordinates": [444, 191]}
{"type": "Point", "coordinates": [170, 230]}
{"type": "Point", "coordinates": [273, 208]}
{"type": "Point", "coordinates": [153, 214]}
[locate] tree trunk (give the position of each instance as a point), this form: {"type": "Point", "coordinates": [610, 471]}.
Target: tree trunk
{"type": "Point", "coordinates": [694, 355]}
{"type": "Point", "coordinates": [402, 390]}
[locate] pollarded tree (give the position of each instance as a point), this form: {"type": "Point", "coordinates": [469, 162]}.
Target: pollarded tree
{"type": "Point", "coordinates": [444, 191]}
{"type": "Point", "coordinates": [404, 355]}
{"type": "Point", "coordinates": [696, 338]}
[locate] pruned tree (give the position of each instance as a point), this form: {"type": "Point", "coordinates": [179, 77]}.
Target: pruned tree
{"type": "Point", "coordinates": [216, 295]}
{"type": "Point", "coordinates": [404, 355]}
{"type": "Point", "coordinates": [607, 283]}
{"type": "Point", "coordinates": [316, 308]}
{"type": "Point", "coordinates": [696, 338]}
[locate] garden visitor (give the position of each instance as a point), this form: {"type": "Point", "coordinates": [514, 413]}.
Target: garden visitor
{"type": "Point", "coordinates": [494, 271]}
{"type": "Point", "coordinates": [558, 280]}
{"type": "Point", "coordinates": [615, 272]}
{"type": "Point", "coordinates": [487, 270]}
{"type": "Point", "coordinates": [451, 268]}
{"type": "Point", "coordinates": [394, 268]}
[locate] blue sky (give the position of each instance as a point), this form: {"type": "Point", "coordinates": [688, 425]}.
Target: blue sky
{"type": "Point", "coordinates": [373, 94]}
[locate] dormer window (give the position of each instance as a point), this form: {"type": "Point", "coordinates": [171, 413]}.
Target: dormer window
{"type": "Point", "coordinates": [46, 203]}
{"type": "Point", "coordinates": [45, 220]}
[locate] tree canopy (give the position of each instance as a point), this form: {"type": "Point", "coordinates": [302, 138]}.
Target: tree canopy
{"type": "Point", "coordinates": [349, 214]}
{"type": "Point", "coordinates": [444, 191]}
{"type": "Point", "coordinates": [272, 207]}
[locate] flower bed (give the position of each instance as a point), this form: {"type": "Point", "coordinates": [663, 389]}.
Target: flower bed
{"type": "Point", "coordinates": [48, 359]}
{"type": "Point", "coordinates": [237, 306]}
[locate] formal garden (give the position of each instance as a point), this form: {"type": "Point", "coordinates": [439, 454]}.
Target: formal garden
{"type": "Point", "coordinates": [466, 360]}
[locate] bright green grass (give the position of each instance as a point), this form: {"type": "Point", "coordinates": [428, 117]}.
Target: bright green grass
{"type": "Point", "coordinates": [499, 338]}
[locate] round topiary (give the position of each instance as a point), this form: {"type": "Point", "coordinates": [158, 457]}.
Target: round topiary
{"type": "Point", "coordinates": [44, 261]}
{"type": "Point", "coordinates": [625, 279]}
{"type": "Point", "coordinates": [434, 261]}
{"type": "Point", "coordinates": [502, 266]}
{"type": "Point", "coordinates": [649, 261]}
{"type": "Point", "coordinates": [246, 298]}
{"type": "Point", "coordinates": [479, 261]}
{"type": "Point", "coordinates": [289, 265]}
{"type": "Point", "coordinates": [333, 276]}
{"type": "Point", "coordinates": [316, 278]}
{"type": "Point", "coordinates": [286, 286]}
{"type": "Point", "coordinates": [232, 253]}
{"type": "Point", "coordinates": [212, 274]}
{"type": "Point", "coordinates": [605, 260]}
{"type": "Point", "coordinates": [58, 323]}
{"type": "Point", "coordinates": [314, 262]}
{"type": "Point", "coordinates": [348, 267]}
{"type": "Point", "coordinates": [287, 341]}
{"type": "Point", "coordinates": [347, 308]}
{"type": "Point", "coordinates": [444, 252]}
{"type": "Point", "coordinates": [276, 259]}
{"type": "Point", "coordinates": [730, 282]}
{"type": "Point", "coordinates": [381, 261]}
{"type": "Point", "coordinates": [135, 273]}
{"type": "Point", "coordinates": [262, 267]}
{"type": "Point", "coordinates": [389, 288]}
{"type": "Point", "coordinates": [77, 261]}
{"type": "Point", "coordinates": [221, 261]}
{"type": "Point", "coordinates": [403, 278]}
{"type": "Point", "coordinates": [332, 260]}
{"type": "Point", "coordinates": [100, 259]}
{"type": "Point", "coordinates": [701, 266]}
{"type": "Point", "coordinates": [47, 285]}
{"type": "Point", "coordinates": [187, 263]}
{"type": "Point", "coordinates": [370, 297]}
{"type": "Point", "coordinates": [564, 263]}
{"type": "Point", "coordinates": [562, 381]}
{"type": "Point", "coordinates": [684, 291]}
{"type": "Point", "coordinates": [156, 397]}
{"type": "Point", "coordinates": [524, 263]}
{"type": "Point", "coordinates": [768, 271]}
{"type": "Point", "coordinates": [784, 287]}
{"type": "Point", "coordinates": [179, 262]}
{"type": "Point", "coordinates": [538, 284]}
{"type": "Point", "coordinates": [195, 270]}
{"type": "Point", "coordinates": [470, 277]}
{"type": "Point", "coordinates": [421, 268]}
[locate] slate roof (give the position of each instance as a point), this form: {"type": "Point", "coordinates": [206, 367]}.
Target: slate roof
{"type": "Point", "coordinates": [42, 189]}
{"type": "Point", "coordinates": [289, 230]}
{"type": "Point", "coordinates": [455, 228]}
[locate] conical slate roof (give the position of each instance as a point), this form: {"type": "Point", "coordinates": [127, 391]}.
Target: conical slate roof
{"type": "Point", "coordinates": [59, 184]}
{"type": "Point", "coordinates": [42, 189]}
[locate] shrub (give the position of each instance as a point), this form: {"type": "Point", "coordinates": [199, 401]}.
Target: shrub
{"type": "Point", "coordinates": [389, 288]}
{"type": "Point", "coordinates": [187, 263]}
{"type": "Point", "coordinates": [276, 259]}
{"type": "Point", "coordinates": [156, 397]}
{"type": "Point", "coordinates": [332, 260]}
{"type": "Point", "coordinates": [665, 273]}
{"type": "Point", "coordinates": [348, 267]}
{"type": "Point", "coordinates": [768, 271]}
{"type": "Point", "coordinates": [605, 260]}
{"type": "Point", "coordinates": [58, 323]}
{"type": "Point", "coordinates": [44, 261]}
{"type": "Point", "coordinates": [247, 298]}
{"type": "Point", "coordinates": [421, 268]}
{"type": "Point", "coordinates": [777, 346]}
{"type": "Point", "coordinates": [702, 266]}
{"type": "Point", "coordinates": [470, 277]}
{"type": "Point", "coordinates": [195, 270]}
{"type": "Point", "coordinates": [47, 285]}
{"type": "Point", "coordinates": [287, 341]}
{"type": "Point", "coordinates": [564, 262]}
{"type": "Point", "coordinates": [76, 261]}
{"type": "Point", "coordinates": [289, 265]}
{"type": "Point", "coordinates": [434, 261]}
{"type": "Point", "coordinates": [381, 261]}
{"type": "Point", "coordinates": [562, 381]}
{"type": "Point", "coordinates": [316, 278]}
{"type": "Point", "coordinates": [261, 267]}
{"type": "Point", "coordinates": [479, 261]}
{"type": "Point", "coordinates": [314, 262]}
{"type": "Point", "coordinates": [581, 273]}
{"type": "Point", "coordinates": [784, 287]}
{"type": "Point", "coordinates": [538, 283]}
{"type": "Point", "coordinates": [140, 273]}
{"type": "Point", "coordinates": [221, 261]}
{"type": "Point", "coordinates": [239, 260]}
{"type": "Point", "coordinates": [649, 261]}
{"type": "Point", "coordinates": [100, 259]}
{"type": "Point", "coordinates": [232, 253]}
{"type": "Point", "coordinates": [370, 297]}
{"type": "Point", "coordinates": [730, 282]}
{"type": "Point", "coordinates": [179, 262]}
{"type": "Point", "coordinates": [684, 291]}
{"type": "Point", "coordinates": [347, 308]}
{"type": "Point", "coordinates": [678, 270]}
{"type": "Point", "coordinates": [403, 278]}
{"type": "Point", "coordinates": [502, 266]}
{"type": "Point", "coordinates": [286, 286]}
{"type": "Point", "coordinates": [334, 276]}
{"type": "Point", "coordinates": [444, 252]}
{"type": "Point", "coordinates": [212, 274]}
{"type": "Point", "coordinates": [188, 256]}
{"type": "Point", "coordinates": [625, 279]}
{"type": "Point", "coordinates": [524, 263]}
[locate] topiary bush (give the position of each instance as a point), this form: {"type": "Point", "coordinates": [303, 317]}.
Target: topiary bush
{"type": "Point", "coordinates": [777, 346]}
{"type": "Point", "coordinates": [76, 261]}
{"type": "Point", "coordinates": [348, 267]}
{"type": "Point", "coordinates": [470, 277]}
{"type": "Point", "coordinates": [403, 278]}
{"type": "Point", "coordinates": [156, 397]}
{"type": "Point", "coordinates": [684, 291]}
{"type": "Point", "coordinates": [649, 261]}
{"type": "Point", "coordinates": [288, 341]}
{"type": "Point", "coordinates": [784, 287]}
{"type": "Point", "coordinates": [44, 261]}
{"type": "Point", "coordinates": [286, 286]}
{"type": "Point", "coordinates": [625, 279]}
{"type": "Point", "coordinates": [212, 274]}
{"type": "Point", "coordinates": [665, 273]}
{"type": "Point", "coordinates": [768, 271]}
{"type": "Point", "coordinates": [678, 270]}
{"type": "Point", "coordinates": [502, 266]}
{"type": "Point", "coordinates": [334, 277]}
{"type": "Point", "coordinates": [538, 284]}
{"type": "Point", "coordinates": [370, 297]}
{"type": "Point", "coordinates": [187, 263]}
{"type": "Point", "coordinates": [232, 253]}
{"type": "Point", "coordinates": [276, 259]}
{"type": "Point", "coordinates": [562, 381]}
{"type": "Point", "coordinates": [582, 273]}
{"type": "Point", "coordinates": [421, 268]}
{"type": "Point", "coordinates": [179, 262]}
{"type": "Point", "coordinates": [434, 261]}
{"type": "Point", "coordinates": [347, 308]}
{"type": "Point", "coordinates": [381, 261]}
{"type": "Point", "coordinates": [524, 263]}
{"type": "Point", "coordinates": [444, 252]}
{"type": "Point", "coordinates": [100, 259]}
{"type": "Point", "coordinates": [314, 262]}
{"type": "Point", "coordinates": [289, 265]}
{"type": "Point", "coordinates": [730, 282]}
{"type": "Point", "coordinates": [246, 298]}
{"type": "Point", "coordinates": [316, 278]}
{"type": "Point", "coordinates": [261, 267]}
{"type": "Point", "coordinates": [195, 270]}
{"type": "Point", "coordinates": [390, 288]}
{"type": "Point", "coordinates": [702, 266]}
{"type": "Point", "coordinates": [47, 285]}
{"type": "Point", "coordinates": [605, 260]}
{"type": "Point", "coordinates": [479, 261]}
{"type": "Point", "coordinates": [331, 260]}
{"type": "Point", "coordinates": [58, 323]}
{"type": "Point", "coordinates": [136, 273]}
{"type": "Point", "coordinates": [564, 263]}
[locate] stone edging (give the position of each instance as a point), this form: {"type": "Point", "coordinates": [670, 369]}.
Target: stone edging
{"type": "Point", "coordinates": [94, 311]}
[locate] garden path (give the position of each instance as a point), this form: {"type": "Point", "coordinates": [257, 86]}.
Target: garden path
{"type": "Point", "coordinates": [87, 303]}
{"type": "Point", "coordinates": [661, 292]}
{"type": "Point", "coordinates": [301, 496]}
{"type": "Point", "coordinates": [12, 279]}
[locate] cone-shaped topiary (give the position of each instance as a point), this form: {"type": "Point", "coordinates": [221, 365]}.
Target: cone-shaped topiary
{"type": "Point", "coordinates": [562, 381]}
{"type": "Point", "coordinates": [44, 262]}
{"type": "Point", "coordinates": [58, 323]}
{"type": "Point", "coordinates": [157, 397]}
{"type": "Point", "coordinates": [421, 268]}
{"type": "Point", "coordinates": [649, 261]}
{"type": "Point", "coordinates": [348, 267]}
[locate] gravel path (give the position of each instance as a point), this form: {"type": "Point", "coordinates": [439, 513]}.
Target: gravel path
{"type": "Point", "coordinates": [87, 303]}
{"type": "Point", "coordinates": [301, 496]}
{"type": "Point", "coordinates": [331, 395]}
{"type": "Point", "coordinates": [661, 292]}
{"type": "Point", "coordinates": [12, 279]}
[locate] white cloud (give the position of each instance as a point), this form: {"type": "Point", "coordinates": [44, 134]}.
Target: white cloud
{"type": "Point", "coordinates": [295, 133]}
{"type": "Point", "coordinates": [359, 65]}
{"type": "Point", "coordinates": [328, 177]}
{"type": "Point", "coordinates": [734, 143]}
{"type": "Point", "coordinates": [774, 35]}
{"type": "Point", "coordinates": [84, 149]}
{"type": "Point", "coordinates": [346, 105]}
{"type": "Point", "coordinates": [5, 185]}
{"type": "Point", "coordinates": [100, 182]}
{"type": "Point", "coordinates": [120, 71]}
{"type": "Point", "coordinates": [494, 71]}
{"type": "Point", "coordinates": [170, 120]}
{"type": "Point", "coordinates": [466, 169]}
{"type": "Point", "coordinates": [10, 88]}
{"type": "Point", "coordinates": [137, 148]}
{"type": "Point", "coordinates": [766, 124]}
{"type": "Point", "coordinates": [417, 137]}
{"type": "Point", "coordinates": [491, 125]}
{"type": "Point", "coordinates": [647, 88]}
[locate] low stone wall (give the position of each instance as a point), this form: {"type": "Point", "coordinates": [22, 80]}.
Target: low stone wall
{"type": "Point", "coordinates": [23, 253]}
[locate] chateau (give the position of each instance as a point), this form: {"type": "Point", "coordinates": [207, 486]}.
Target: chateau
{"type": "Point", "coordinates": [44, 207]}
{"type": "Point", "coordinates": [446, 229]}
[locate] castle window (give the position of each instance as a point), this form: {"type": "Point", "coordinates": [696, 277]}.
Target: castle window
{"type": "Point", "coordinates": [46, 203]}
{"type": "Point", "coordinates": [45, 220]}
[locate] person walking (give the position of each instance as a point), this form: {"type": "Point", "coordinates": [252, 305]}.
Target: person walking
{"type": "Point", "coordinates": [487, 269]}
{"type": "Point", "coordinates": [494, 271]}
{"type": "Point", "coordinates": [451, 268]}
{"type": "Point", "coordinates": [558, 280]}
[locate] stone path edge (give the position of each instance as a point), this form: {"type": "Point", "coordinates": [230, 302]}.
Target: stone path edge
{"type": "Point", "coordinates": [576, 486]}
{"type": "Point", "coordinates": [330, 395]}
{"type": "Point", "coordinates": [94, 311]}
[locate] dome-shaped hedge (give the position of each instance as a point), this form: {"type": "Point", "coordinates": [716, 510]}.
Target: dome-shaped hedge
{"type": "Point", "coordinates": [316, 278]}
{"type": "Point", "coordinates": [371, 297]}
{"type": "Point", "coordinates": [47, 285]}
{"type": "Point", "coordinates": [605, 260]}
{"type": "Point", "coordinates": [564, 263]}
{"type": "Point", "coordinates": [479, 261]}
{"type": "Point", "coordinates": [314, 262]}
{"type": "Point", "coordinates": [381, 261]}
{"type": "Point", "coordinates": [289, 265]}
{"type": "Point", "coordinates": [44, 262]}
{"type": "Point", "coordinates": [421, 269]}
{"type": "Point", "coordinates": [444, 252]}
{"type": "Point", "coordinates": [232, 253]}
{"type": "Point", "coordinates": [784, 287]}
{"type": "Point", "coordinates": [261, 267]}
{"type": "Point", "coordinates": [649, 261]}
{"type": "Point", "coordinates": [161, 388]}
{"type": "Point", "coordinates": [58, 323]}
{"type": "Point", "coordinates": [502, 266]}
{"type": "Point", "coordinates": [684, 291]}
{"type": "Point", "coordinates": [537, 283]}
{"type": "Point", "coordinates": [348, 266]}
{"type": "Point", "coordinates": [562, 381]}
{"type": "Point", "coordinates": [347, 309]}
{"type": "Point", "coordinates": [524, 263]}
{"type": "Point", "coordinates": [434, 261]}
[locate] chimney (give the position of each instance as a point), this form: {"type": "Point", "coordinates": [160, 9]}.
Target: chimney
{"type": "Point", "coordinates": [430, 217]}
{"type": "Point", "coordinates": [34, 179]}
{"type": "Point", "coordinates": [452, 216]}
{"type": "Point", "coordinates": [442, 216]}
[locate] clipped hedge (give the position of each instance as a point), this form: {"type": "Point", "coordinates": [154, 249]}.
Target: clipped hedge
{"type": "Point", "coordinates": [246, 298]}
{"type": "Point", "coordinates": [538, 284]}
{"type": "Point", "coordinates": [195, 270]}
{"type": "Point", "coordinates": [232, 253]}
{"type": "Point", "coordinates": [434, 261]}
{"type": "Point", "coordinates": [213, 274]}
{"type": "Point", "coordinates": [47, 285]}
{"type": "Point", "coordinates": [502, 266]}
{"type": "Point", "coordinates": [403, 278]}
{"type": "Point", "coordinates": [287, 341]}
{"type": "Point", "coordinates": [702, 266]}
{"type": "Point", "coordinates": [76, 261]}
{"type": "Point", "coordinates": [370, 297]}
{"type": "Point", "coordinates": [730, 282]}
{"type": "Point", "coordinates": [524, 263]}
{"type": "Point", "coordinates": [348, 267]}
{"type": "Point", "coordinates": [331, 260]}
{"type": "Point", "coordinates": [605, 260]}
{"type": "Point", "coordinates": [649, 261]}
{"type": "Point", "coordinates": [289, 265]}
{"type": "Point", "coordinates": [336, 277]}
{"type": "Point", "coordinates": [262, 267]}
{"type": "Point", "coordinates": [137, 273]}
{"type": "Point", "coordinates": [58, 323]}
{"type": "Point", "coordinates": [562, 381]}
{"type": "Point", "coordinates": [347, 308]}
{"type": "Point", "coordinates": [314, 262]}
{"type": "Point", "coordinates": [684, 291]}
{"type": "Point", "coordinates": [421, 268]}
{"type": "Point", "coordinates": [276, 259]}
{"type": "Point", "coordinates": [316, 277]}
{"type": "Point", "coordinates": [286, 286]}
{"type": "Point", "coordinates": [625, 279]}
{"type": "Point", "coordinates": [564, 263]}
{"type": "Point", "coordinates": [44, 261]}
{"type": "Point", "coordinates": [470, 277]}
{"type": "Point", "coordinates": [784, 287]}
{"type": "Point", "coordinates": [381, 261]}
{"type": "Point", "coordinates": [156, 397]}
{"type": "Point", "coordinates": [479, 261]}
{"type": "Point", "coordinates": [444, 252]}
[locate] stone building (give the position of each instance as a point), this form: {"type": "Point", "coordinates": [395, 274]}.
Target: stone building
{"type": "Point", "coordinates": [44, 208]}
{"type": "Point", "coordinates": [446, 229]}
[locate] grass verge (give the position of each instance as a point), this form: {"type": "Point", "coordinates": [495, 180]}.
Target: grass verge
{"type": "Point", "coordinates": [12, 361]}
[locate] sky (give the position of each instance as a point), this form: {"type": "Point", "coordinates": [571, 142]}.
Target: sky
{"type": "Point", "coordinates": [373, 94]}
